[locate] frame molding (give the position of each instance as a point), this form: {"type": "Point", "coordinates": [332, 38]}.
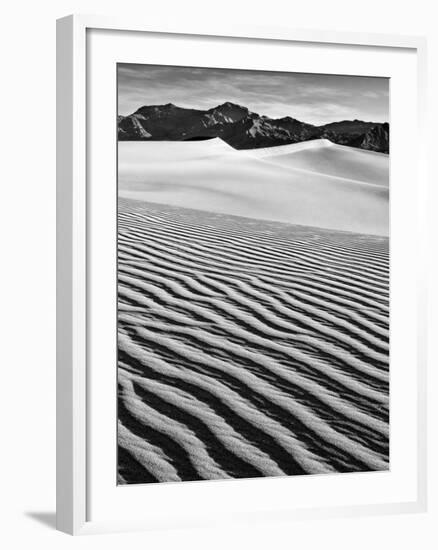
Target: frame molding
{"type": "Point", "coordinates": [71, 175]}
{"type": "Point", "coordinates": [71, 275]}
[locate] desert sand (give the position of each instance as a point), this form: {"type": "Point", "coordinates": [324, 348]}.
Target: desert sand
{"type": "Point", "coordinates": [253, 316]}
{"type": "Point", "coordinates": [248, 348]}
{"type": "Point", "coordinates": [315, 183]}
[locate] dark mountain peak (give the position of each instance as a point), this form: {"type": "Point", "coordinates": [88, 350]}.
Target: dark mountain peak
{"type": "Point", "coordinates": [244, 129]}
{"type": "Point", "coordinates": [172, 107]}
{"type": "Point", "coordinates": [229, 107]}
{"type": "Point", "coordinates": [286, 119]}
{"type": "Point", "coordinates": [290, 121]}
{"type": "Point", "coordinates": [150, 109]}
{"type": "Point", "coordinates": [294, 126]}
{"type": "Point", "coordinates": [349, 124]}
{"type": "Point", "coordinates": [226, 113]}
{"type": "Point", "coordinates": [376, 139]}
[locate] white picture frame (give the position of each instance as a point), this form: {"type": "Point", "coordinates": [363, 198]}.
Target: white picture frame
{"type": "Point", "coordinates": [74, 397]}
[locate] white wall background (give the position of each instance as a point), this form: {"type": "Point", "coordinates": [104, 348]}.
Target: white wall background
{"type": "Point", "coordinates": [27, 305]}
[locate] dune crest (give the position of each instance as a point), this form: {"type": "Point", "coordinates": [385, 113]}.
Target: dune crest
{"type": "Point", "coordinates": [321, 156]}
{"type": "Point", "coordinates": [314, 183]}
{"type": "Point", "coordinates": [290, 148]}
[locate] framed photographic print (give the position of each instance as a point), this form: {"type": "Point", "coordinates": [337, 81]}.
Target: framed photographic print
{"type": "Point", "coordinates": [240, 293]}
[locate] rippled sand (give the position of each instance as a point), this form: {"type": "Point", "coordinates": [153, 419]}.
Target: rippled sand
{"type": "Point", "coordinates": [248, 347]}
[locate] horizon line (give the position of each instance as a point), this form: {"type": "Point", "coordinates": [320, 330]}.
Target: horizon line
{"type": "Point", "coordinates": [254, 112]}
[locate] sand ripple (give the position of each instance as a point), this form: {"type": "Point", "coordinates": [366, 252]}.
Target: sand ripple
{"type": "Point", "coordinates": [248, 348]}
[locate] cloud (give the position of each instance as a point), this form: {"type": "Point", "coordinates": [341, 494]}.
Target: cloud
{"type": "Point", "coordinates": [313, 98]}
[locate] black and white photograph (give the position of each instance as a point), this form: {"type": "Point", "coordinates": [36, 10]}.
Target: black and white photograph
{"type": "Point", "coordinates": [252, 274]}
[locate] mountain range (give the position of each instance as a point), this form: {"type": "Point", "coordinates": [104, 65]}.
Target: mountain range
{"type": "Point", "coordinates": [243, 129]}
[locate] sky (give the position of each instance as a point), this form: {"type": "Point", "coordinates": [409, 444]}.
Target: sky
{"type": "Point", "coordinates": [312, 98]}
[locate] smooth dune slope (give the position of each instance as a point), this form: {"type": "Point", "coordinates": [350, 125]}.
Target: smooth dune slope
{"type": "Point", "coordinates": [310, 183]}
{"type": "Point", "coordinates": [248, 347]}
{"type": "Point", "coordinates": [321, 156]}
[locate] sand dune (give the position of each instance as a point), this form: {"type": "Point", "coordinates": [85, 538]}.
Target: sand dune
{"type": "Point", "coordinates": [323, 157]}
{"type": "Point", "coordinates": [313, 183]}
{"type": "Point", "coordinates": [247, 347]}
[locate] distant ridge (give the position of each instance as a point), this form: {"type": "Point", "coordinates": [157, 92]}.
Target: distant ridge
{"type": "Point", "coordinates": [243, 129]}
